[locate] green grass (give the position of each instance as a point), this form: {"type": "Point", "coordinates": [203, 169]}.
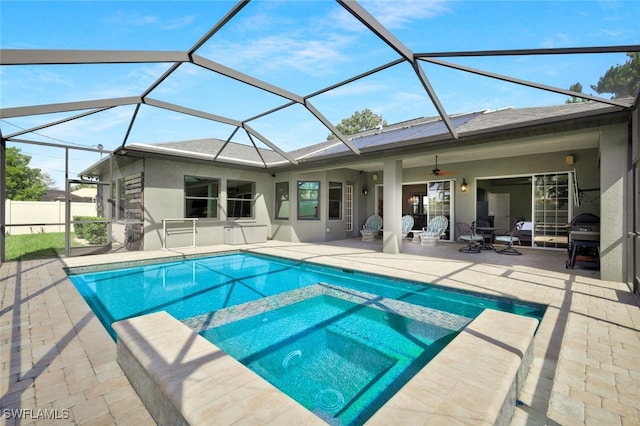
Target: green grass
{"type": "Point", "coordinates": [34, 246]}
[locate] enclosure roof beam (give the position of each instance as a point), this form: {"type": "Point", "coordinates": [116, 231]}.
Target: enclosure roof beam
{"type": "Point", "coordinates": [244, 78]}
{"type": "Point", "coordinates": [75, 57]}
{"type": "Point", "coordinates": [526, 82]}
{"type": "Point", "coordinates": [191, 111]}
{"type": "Point", "coordinates": [67, 106]}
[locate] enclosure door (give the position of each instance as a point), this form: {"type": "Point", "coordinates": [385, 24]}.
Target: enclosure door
{"type": "Point", "coordinates": [87, 224]}
{"type": "Point", "coordinates": [633, 213]}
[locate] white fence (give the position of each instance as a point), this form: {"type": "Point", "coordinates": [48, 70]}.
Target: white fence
{"type": "Point", "coordinates": [37, 213]}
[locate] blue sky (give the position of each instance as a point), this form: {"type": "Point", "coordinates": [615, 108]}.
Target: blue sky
{"type": "Point", "coordinates": [300, 46]}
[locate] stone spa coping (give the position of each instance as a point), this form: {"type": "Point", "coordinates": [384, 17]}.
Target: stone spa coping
{"type": "Point", "coordinates": [184, 379]}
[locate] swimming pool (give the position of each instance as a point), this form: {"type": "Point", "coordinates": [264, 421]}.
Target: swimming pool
{"type": "Point", "coordinates": [289, 320]}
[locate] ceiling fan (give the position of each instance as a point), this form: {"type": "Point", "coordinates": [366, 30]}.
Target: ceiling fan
{"type": "Point", "coordinates": [437, 172]}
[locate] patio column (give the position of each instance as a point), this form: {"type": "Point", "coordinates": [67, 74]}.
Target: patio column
{"type": "Point", "coordinates": [613, 154]}
{"type": "Point", "coordinates": [392, 221]}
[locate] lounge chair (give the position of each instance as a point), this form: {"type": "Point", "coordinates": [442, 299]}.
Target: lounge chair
{"type": "Point", "coordinates": [467, 235]}
{"type": "Point", "coordinates": [434, 231]}
{"type": "Point", "coordinates": [371, 228]}
{"type": "Point", "coordinates": [407, 225]}
{"type": "Point", "coordinates": [510, 239]}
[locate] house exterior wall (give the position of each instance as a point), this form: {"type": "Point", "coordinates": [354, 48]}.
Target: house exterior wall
{"type": "Point", "coordinates": [323, 229]}
{"type": "Point", "coordinates": [164, 198]}
{"type": "Point", "coordinates": [598, 169]}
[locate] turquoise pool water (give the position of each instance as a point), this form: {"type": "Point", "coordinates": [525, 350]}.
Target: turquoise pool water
{"type": "Point", "coordinates": [339, 342]}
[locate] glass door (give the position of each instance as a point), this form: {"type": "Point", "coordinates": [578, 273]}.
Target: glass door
{"type": "Point", "coordinates": [551, 209]}
{"type": "Point", "coordinates": [438, 202]}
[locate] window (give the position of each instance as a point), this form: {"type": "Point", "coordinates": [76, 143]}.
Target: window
{"type": "Point", "coordinates": [349, 207]}
{"type": "Point", "coordinates": [335, 200]}
{"type": "Point", "coordinates": [201, 197]}
{"type": "Point", "coordinates": [240, 199]}
{"type": "Point", "coordinates": [437, 202]}
{"type": "Point", "coordinates": [308, 200]}
{"type": "Point", "coordinates": [117, 199]}
{"type": "Point", "coordinates": [282, 200]}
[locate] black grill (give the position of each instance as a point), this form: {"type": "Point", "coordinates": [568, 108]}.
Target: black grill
{"type": "Point", "coordinates": [584, 241]}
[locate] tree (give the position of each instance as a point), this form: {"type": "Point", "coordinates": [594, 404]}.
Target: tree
{"type": "Point", "coordinates": [24, 183]}
{"type": "Point", "coordinates": [574, 99]}
{"type": "Point", "coordinates": [621, 80]}
{"type": "Point", "coordinates": [359, 122]}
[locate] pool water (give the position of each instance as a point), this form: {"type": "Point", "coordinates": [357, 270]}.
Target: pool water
{"type": "Point", "coordinates": [339, 342]}
{"type": "Point", "coordinates": [196, 286]}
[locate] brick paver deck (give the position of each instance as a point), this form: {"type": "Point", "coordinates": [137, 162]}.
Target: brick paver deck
{"type": "Point", "coordinates": [58, 361]}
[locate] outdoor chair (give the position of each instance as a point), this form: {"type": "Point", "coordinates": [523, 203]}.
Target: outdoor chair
{"type": "Point", "coordinates": [432, 233]}
{"type": "Point", "coordinates": [407, 225]}
{"type": "Point", "coordinates": [371, 228]}
{"type": "Point", "coordinates": [467, 235]}
{"type": "Point", "coordinates": [510, 239]}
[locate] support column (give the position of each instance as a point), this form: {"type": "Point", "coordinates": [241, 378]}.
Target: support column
{"type": "Point", "coordinates": [613, 154]}
{"type": "Point", "coordinates": [392, 222]}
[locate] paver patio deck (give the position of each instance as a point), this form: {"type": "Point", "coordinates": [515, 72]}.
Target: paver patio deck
{"type": "Point", "coordinates": [57, 359]}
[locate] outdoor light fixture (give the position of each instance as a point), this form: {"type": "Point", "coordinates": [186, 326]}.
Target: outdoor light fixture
{"type": "Point", "coordinates": [570, 159]}
{"type": "Point", "coordinates": [463, 186]}
{"type": "Point", "coordinates": [365, 190]}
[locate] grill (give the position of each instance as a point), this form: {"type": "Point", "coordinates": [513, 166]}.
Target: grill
{"type": "Point", "coordinates": [584, 241]}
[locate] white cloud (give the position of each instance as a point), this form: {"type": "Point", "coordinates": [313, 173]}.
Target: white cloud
{"type": "Point", "coordinates": [282, 51]}
{"type": "Point", "coordinates": [398, 14]}
{"type": "Point", "coordinates": [174, 24]}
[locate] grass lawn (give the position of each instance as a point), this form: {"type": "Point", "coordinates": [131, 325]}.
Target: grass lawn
{"type": "Point", "coordinates": [34, 246]}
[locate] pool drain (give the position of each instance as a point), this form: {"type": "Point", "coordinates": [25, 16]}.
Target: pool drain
{"type": "Point", "coordinates": [329, 399]}
{"type": "Point", "coordinates": [291, 356]}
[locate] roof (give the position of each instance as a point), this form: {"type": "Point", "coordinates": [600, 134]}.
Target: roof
{"type": "Point", "coordinates": [419, 131]}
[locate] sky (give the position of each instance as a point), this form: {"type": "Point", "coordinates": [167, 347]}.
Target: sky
{"type": "Point", "coordinates": [302, 47]}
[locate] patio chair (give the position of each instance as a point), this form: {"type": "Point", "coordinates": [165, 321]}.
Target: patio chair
{"type": "Point", "coordinates": [467, 235]}
{"type": "Point", "coordinates": [510, 239]}
{"type": "Point", "coordinates": [407, 225]}
{"type": "Point", "coordinates": [432, 233]}
{"type": "Point", "coordinates": [371, 228]}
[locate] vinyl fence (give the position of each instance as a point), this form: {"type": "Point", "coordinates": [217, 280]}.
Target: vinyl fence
{"type": "Point", "coordinates": [42, 216]}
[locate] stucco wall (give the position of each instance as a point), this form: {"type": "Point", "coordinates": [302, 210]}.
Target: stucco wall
{"type": "Point", "coordinates": [164, 199]}
{"type": "Point", "coordinates": [613, 177]}
{"type": "Point", "coordinates": [322, 229]}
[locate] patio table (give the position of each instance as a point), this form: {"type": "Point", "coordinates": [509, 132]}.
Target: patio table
{"type": "Point", "coordinates": [487, 233]}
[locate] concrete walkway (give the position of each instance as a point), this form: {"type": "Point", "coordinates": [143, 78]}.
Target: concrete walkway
{"type": "Point", "coordinates": [59, 362]}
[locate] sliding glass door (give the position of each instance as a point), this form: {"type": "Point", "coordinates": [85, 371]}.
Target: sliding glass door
{"type": "Point", "coordinates": [552, 207]}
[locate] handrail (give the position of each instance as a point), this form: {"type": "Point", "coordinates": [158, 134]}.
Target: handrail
{"type": "Point", "coordinates": [180, 219]}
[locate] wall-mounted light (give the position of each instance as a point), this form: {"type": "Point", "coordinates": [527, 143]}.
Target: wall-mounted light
{"type": "Point", "coordinates": [463, 186]}
{"type": "Point", "coordinates": [365, 190]}
{"type": "Point", "coordinates": [374, 177]}
{"type": "Point", "coordinates": [570, 159]}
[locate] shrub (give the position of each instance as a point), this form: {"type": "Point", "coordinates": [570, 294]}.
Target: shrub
{"type": "Point", "coordinates": [94, 233]}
